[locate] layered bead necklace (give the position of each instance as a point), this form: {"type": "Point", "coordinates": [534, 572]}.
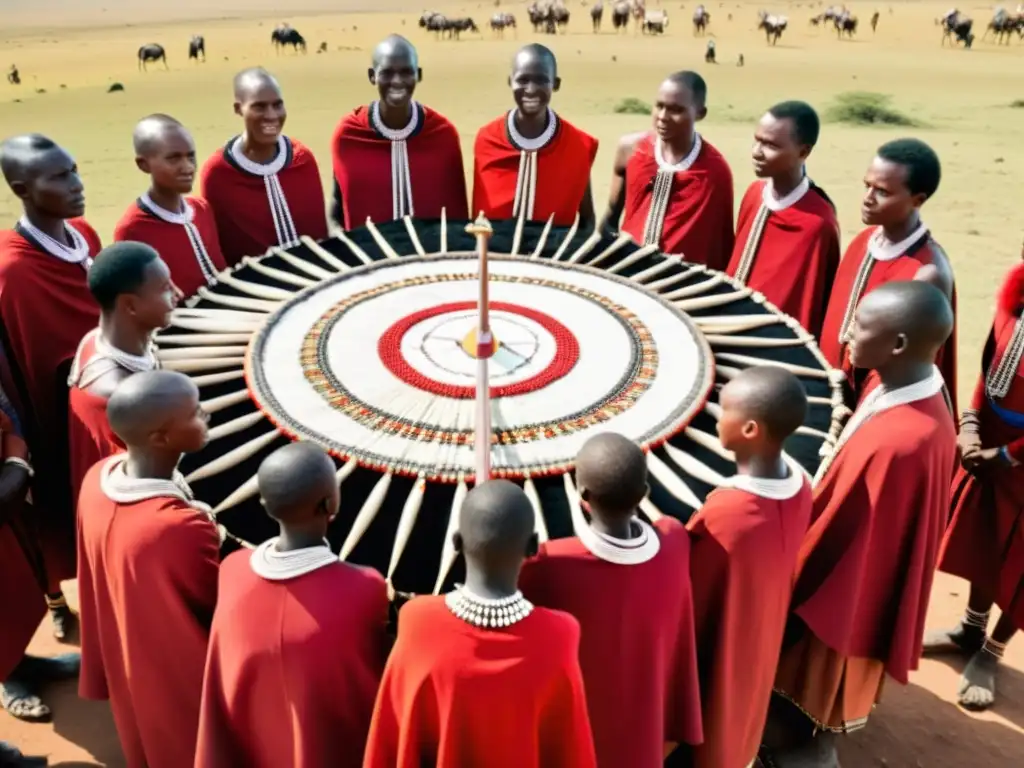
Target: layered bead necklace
{"type": "Point", "coordinates": [769, 204]}
{"type": "Point", "coordinates": [401, 175]}
{"type": "Point", "coordinates": [487, 612]}
{"type": "Point", "coordinates": [526, 180]}
{"type": "Point", "coordinates": [284, 225]}
{"type": "Point", "coordinates": [662, 191]}
{"type": "Point", "coordinates": [184, 218]}
{"type": "Point", "coordinates": [76, 253]}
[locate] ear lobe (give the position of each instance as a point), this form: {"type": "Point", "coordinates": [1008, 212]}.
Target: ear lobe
{"type": "Point", "coordinates": [557, 84]}
{"type": "Point", "coordinates": [510, 81]}
{"type": "Point", "coordinates": [372, 76]}
{"type": "Point", "coordinates": [920, 199]}
{"type": "Point", "coordinates": [142, 164]}
{"type": "Point", "coordinates": [419, 75]}
{"type": "Point", "coordinates": [238, 109]}
{"type": "Point", "coordinates": [457, 541]}
{"type": "Point", "coordinates": [20, 189]}
{"type": "Point", "coordinates": [902, 342]}
{"type": "Point", "coordinates": [533, 546]}
{"type": "Point", "coordinates": [702, 113]}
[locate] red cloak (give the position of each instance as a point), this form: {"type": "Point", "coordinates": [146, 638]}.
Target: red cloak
{"type": "Point", "coordinates": [173, 241]}
{"type": "Point", "coordinates": [21, 590]}
{"type": "Point", "coordinates": [456, 696]}
{"type": "Point", "coordinates": [866, 565]}
{"type": "Point", "coordinates": [147, 585]}
{"type": "Point", "coordinates": [905, 267]}
{"type": "Point", "coordinates": [293, 667]}
{"type": "Point", "coordinates": [795, 260]}
{"type": "Point", "coordinates": [45, 310]}
{"type": "Point", "coordinates": [984, 542]}
{"type": "Point", "coordinates": [637, 647]}
{"type": "Point", "coordinates": [563, 172]}
{"type": "Point", "coordinates": [246, 224]}
{"type": "Point", "coordinates": [698, 220]}
{"type": "Point", "coordinates": [743, 564]}
{"type": "Point", "coordinates": [362, 167]}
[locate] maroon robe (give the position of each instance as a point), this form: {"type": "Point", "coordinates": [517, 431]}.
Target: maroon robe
{"type": "Point", "coordinates": [637, 648]}
{"type": "Point", "coordinates": [293, 667]}
{"type": "Point", "coordinates": [362, 159]}
{"type": "Point", "coordinates": [246, 221]}
{"type": "Point", "coordinates": [147, 585]}
{"type": "Point", "coordinates": [793, 255]}
{"type": "Point", "coordinates": [45, 310]}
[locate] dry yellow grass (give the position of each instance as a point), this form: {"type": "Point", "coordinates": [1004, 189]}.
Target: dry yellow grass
{"type": "Point", "coordinates": [73, 50]}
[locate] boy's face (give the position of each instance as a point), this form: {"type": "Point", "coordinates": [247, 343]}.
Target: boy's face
{"type": "Point", "coordinates": [873, 342]}
{"type": "Point", "coordinates": [172, 164]}
{"type": "Point", "coordinates": [186, 431]}
{"type": "Point", "coordinates": [735, 428]}
{"type": "Point", "coordinates": [152, 304]}
{"type": "Point", "coordinates": [395, 76]}
{"type": "Point", "coordinates": [533, 81]}
{"type": "Point", "coordinates": [676, 112]}
{"type": "Point", "coordinates": [53, 186]}
{"type": "Point", "coordinates": [887, 201]}
{"type": "Point", "coordinates": [776, 150]}
{"type": "Point", "coordinates": [263, 112]}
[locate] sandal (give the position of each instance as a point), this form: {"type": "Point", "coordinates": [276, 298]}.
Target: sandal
{"type": "Point", "coordinates": [21, 701]}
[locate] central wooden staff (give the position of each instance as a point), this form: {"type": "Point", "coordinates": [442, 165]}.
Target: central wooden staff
{"type": "Point", "coordinates": [485, 348]}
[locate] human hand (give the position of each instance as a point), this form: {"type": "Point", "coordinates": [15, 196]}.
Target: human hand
{"type": "Point", "coordinates": [969, 443]}
{"type": "Point", "coordinates": [13, 483]}
{"type": "Point", "coordinates": [984, 458]}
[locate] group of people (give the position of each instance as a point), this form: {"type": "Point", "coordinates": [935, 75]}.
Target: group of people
{"type": "Point", "coordinates": [593, 650]}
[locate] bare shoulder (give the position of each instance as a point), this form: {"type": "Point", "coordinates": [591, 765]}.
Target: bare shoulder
{"type": "Point", "coordinates": [628, 143]}
{"type": "Point", "coordinates": [105, 385]}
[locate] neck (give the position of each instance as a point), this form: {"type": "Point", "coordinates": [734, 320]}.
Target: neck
{"type": "Point", "coordinates": [125, 336]}
{"type": "Point", "coordinates": [259, 153]}
{"type": "Point", "coordinates": [896, 233]}
{"type": "Point", "coordinates": [769, 466]}
{"type": "Point", "coordinates": [906, 373]}
{"type": "Point", "coordinates": [165, 198]}
{"type": "Point", "coordinates": [531, 126]}
{"type": "Point", "coordinates": [49, 225]}
{"type": "Point", "coordinates": [491, 585]}
{"type": "Point", "coordinates": [151, 466]}
{"type": "Point", "coordinates": [616, 527]}
{"type": "Point", "coordinates": [292, 539]}
{"type": "Point", "coordinates": [395, 117]}
{"type": "Point", "coordinates": [785, 183]}
{"type": "Point", "coordinates": [679, 147]}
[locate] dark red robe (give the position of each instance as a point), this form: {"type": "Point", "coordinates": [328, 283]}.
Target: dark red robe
{"type": "Point", "coordinates": [21, 587]}
{"type": "Point", "coordinates": [245, 222]}
{"type": "Point", "coordinates": [984, 542]}
{"type": "Point", "coordinates": [866, 565]}
{"type": "Point", "coordinates": [795, 260]}
{"type": "Point", "coordinates": [173, 243]}
{"type": "Point", "coordinates": [45, 310]}
{"type": "Point", "coordinates": [637, 647]}
{"type": "Point", "coordinates": [456, 696]}
{"type": "Point", "coordinates": [293, 667]}
{"type": "Point", "coordinates": [905, 267]}
{"type": "Point", "coordinates": [743, 563]}
{"type": "Point", "coordinates": [362, 169]}
{"type": "Point", "coordinates": [698, 220]}
{"type": "Point", "coordinates": [563, 172]}
{"type": "Point", "coordinates": [147, 585]}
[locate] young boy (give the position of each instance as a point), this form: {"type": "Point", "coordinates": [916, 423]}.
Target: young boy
{"type": "Point", "coordinates": [264, 187]}
{"type": "Point", "coordinates": [620, 572]}
{"type": "Point", "coordinates": [181, 228]}
{"type": "Point", "coordinates": [45, 309]}
{"type": "Point", "coordinates": [396, 157]}
{"type": "Point", "coordinates": [745, 543]}
{"type": "Point", "coordinates": [480, 677]}
{"type": "Point", "coordinates": [881, 500]}
{"type": "Point", "coordinates": [133, 288]}
{"type": "Point", "coordinates": [531, 162]}
{"type": "Point", "coordinates": [897, 245]}
{"type": "Point", "coordinates": [148, 577]}
{"type": "Point", "coordinates": [787, 235]}
{"type": "Point", "coordinates": [670, 187]}
{"type": "Point", "coordinates": [291, 617]}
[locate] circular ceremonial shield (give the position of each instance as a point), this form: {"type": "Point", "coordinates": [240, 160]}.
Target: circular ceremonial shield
{"type": "Point", "coordinates": [366, 345]}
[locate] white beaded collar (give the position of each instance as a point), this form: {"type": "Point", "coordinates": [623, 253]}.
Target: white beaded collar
{"type": "Point", "coordinates": [532, 145]}
{"type": "Point", "coordinates": [766, 488]}
{"type": "Point", "coordinates": [776, 204]}
{"type": "Point", "coordinates": [271, 564]}
{"type": "Point", "coordinates": [682, 165]}
{"type": "Point", "coordinates": [77, 253]}
{"type": "Point", "coordinates": [401, 134]}
{"type": "Point", "coordinates": [622, 551]}
{"type": "Point", "coordinates": [883, 249]}
{"type": "Point", "coordinates": [184, 216]}
{"type": "Point", "coordinates": [260, 169]}
{"type": "Point", "coordinates": [118, 486]}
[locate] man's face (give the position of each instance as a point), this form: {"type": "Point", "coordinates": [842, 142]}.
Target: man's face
{"type": "Point", "coordinates": [533, 82]}
{"type": "Point", "coordinates": [776, 150]}
{"type": "Point", "coordinates": [395, 76]}
{"type": "Point", "coordinates": [263, 112]}
{"type": "Point", "coordinates": [155, 299]}
{"type": "Point", "coordinates": [735, 428]}
{"type": "Point", "coordinates": [173, 162]}
{"type": "Point", "coordinates": [887, 201]}
{"type": "Point", "coordinates": [872, 342]}
{"type": "Point", "coordinates": [187, 430]}
{"type": "Point", "coordinates": [676, 112]}
{"type": "Point", "coordinates": [53, 186]}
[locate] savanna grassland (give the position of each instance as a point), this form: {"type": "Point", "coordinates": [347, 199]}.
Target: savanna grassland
{"type": "Point", "coordinates": [969, 105]}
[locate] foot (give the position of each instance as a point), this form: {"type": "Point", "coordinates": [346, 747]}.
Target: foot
{"type": "Point", "coordinates": [20, 701]}
{"type": "Point", "coordinates": [64, 622]}
{"type": "Point", "coordinates": [977, 689]}
{"type": "Point", "coordinates": [51, 669]}
{"type": "Point", "coordinates": [962, 639]}
{"type": "Point", "coordinates": [10, 756]}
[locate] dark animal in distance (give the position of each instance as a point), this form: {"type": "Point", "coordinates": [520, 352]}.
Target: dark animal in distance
{"type": "Point", "coordinates": [152, 52]}
{"type": "Point", "coordinates": [13, 76]}
{"type": "Point", "coordinates": [597, 15]}
{"type": "Point", "coordinates": [655, 23]}
{"type": "Point", "coordinates": [197, 47]}
{"type": "Point", "coordinates": [502, 21]}
{"type": "Point", "coordinates": [773, 26]}
{"type": "Point", "coordinates": [283, 36]}
{"type": "Point", "coordinates": [709, 52]}
{"type": "Point", "coordinates": [1003, 25]}
{"type": "Point", "coordinates": [322, 48]}
{"type": "Point", "coordinates": [957, 29]}
{"type": "Point", "coordinates": [874, 21]}
{"type": "Point", "coordinates": [115, 87]}
{"type": "Point", "coordinates": [456, 26]}
{"type": "Point", "coordinates": [620, 16]}
{"type": "Point", "coordinates": [701, 19]}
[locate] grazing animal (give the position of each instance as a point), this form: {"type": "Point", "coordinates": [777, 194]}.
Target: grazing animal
{"type": "Point", "coordinates": [13, 76]}
{"type": "Point", "coordinates": [874, 21]}
{"type": "Point", "coordinates": [773, 26]}
{"type": "Point", "coordinates": [454, 27]}
{"type": "Point", "coordinates": [845, 23]}
{"type": "Point", "coordinates": [426, 17]}
{"type": "Point", "coordinates": [1003, 25]}
{"type": "Point", "coordinates": [152, 52]}
{"type": "Point", "coordinates": [502, 21]}
{"type": "Point", "coordinates": [538, 15]}
{"type": "Point", "coordinates": [701, 19]}
{"type": "Point", "coordinates": [597, 15]}
{"type": "Point", "coordinates": [739, 62]}
{"type": "Point", "coordinates": [559, 14]}
{"type": "Point", "coordinates": [655, 22]}
{"type": "Point", "coordinates": [322, 48]}
{"type": "Point", "coordinates": [639, 10]}
{"type": "Point", "coordinates": [285, 35]}
{"type": "Point", "coordinates": [957, 29]}
{"type": "Point", "coordinates": [620, 15]}
{"type": "Point", "coordinates": [709, 53]}
{"type": "Point", "coordinates": [197, 48]}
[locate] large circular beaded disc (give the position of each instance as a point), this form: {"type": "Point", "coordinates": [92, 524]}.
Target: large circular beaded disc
{"type": "Point", "coordinates": [363, 343]}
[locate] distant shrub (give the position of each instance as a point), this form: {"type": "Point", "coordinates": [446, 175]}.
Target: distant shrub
{"type": "Point", "coordinates": [863, 108]}
{"type": "Point", "coordinates": [1017, 103]}
{"type": "Point", "coordinates": [114, 87]}
{"type": "Point", "coordinates": [632, 106]}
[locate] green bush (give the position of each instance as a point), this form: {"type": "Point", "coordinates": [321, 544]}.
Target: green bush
{"type": "Point", "coordinates": [632, 106]}
{"type": "Point", "coordinates": [863, 108]}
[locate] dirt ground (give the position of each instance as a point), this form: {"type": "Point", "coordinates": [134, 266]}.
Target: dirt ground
{"type": "Point", "coordinates": [69, 52]}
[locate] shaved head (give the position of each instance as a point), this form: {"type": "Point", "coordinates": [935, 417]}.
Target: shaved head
{"type": "Point", "coordinates": [911, 308]}
{"type": "Point", "coordinates": [534, 54]}
{"type": "Point", "coordinates": [769, 395]}
{"type": "Point", "coordinates": [43, 176]}
{"type": "Point", "coordinates": [148, 403]}
{"type": "Point", "coordinates": [151, 132]}
{"type": "Point", "coordinates": [22, 156]}
{"type": "Point", "coordinates": [298, 481]}
{"type": "Point", "coordinates": [692, 82]}
{"type": "Point", "coordinates": [611, 472]}
{"type": "Point", "coordinates": [250, 81]}
{"type": "Point", "coordinates": [395, 47]}
{"type": "Point", "coordinates": [495, 522]}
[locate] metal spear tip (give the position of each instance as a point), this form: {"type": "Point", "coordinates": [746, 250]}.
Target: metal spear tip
{"type": "Point", "coordinates": [480, 227]}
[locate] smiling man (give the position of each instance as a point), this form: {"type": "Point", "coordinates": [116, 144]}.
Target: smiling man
{"type": "Point", "coordinates": [531, 162]}
{"type": "Point", "coordinates": [787, 235]}
{"type": "Point", "coordinates": [263, 186]}
{"type": "Point", "coordinates": [897, 245]}
{"type": "Point", "coordinates": [45, 310]}
{"type": "Point", "coordinates": [182, 229]}
{"type": "Point", "coordinates": [674, 189]}
{"type": "Point", "coordinates": [396, 157]}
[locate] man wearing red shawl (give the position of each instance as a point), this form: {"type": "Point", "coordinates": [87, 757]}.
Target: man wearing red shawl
{"type": "Point", "coordinates": [897, 245]}
{"type": "Point", "coordinates": [619, 572]}
{"type": "Point", "coordinates": [787, 235]}
{"type": "Point", "coordinates": [396, 157]}
{"type": "Point", "coordinates": [45, 310]}
{"type": "Point", "coordinates": [670, 187]}
{"type": "Point", "coordinates": [984, 543]}
{"type": "Point", "coordinates": [264, 187]}
{"type": "Point", "coordinates": [531, 163]}
{"type": "Point", "coordinates": [865, 569]}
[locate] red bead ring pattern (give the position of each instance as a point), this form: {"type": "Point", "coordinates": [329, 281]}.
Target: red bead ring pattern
{"type": "Point", "coordinates": [567, 353]}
